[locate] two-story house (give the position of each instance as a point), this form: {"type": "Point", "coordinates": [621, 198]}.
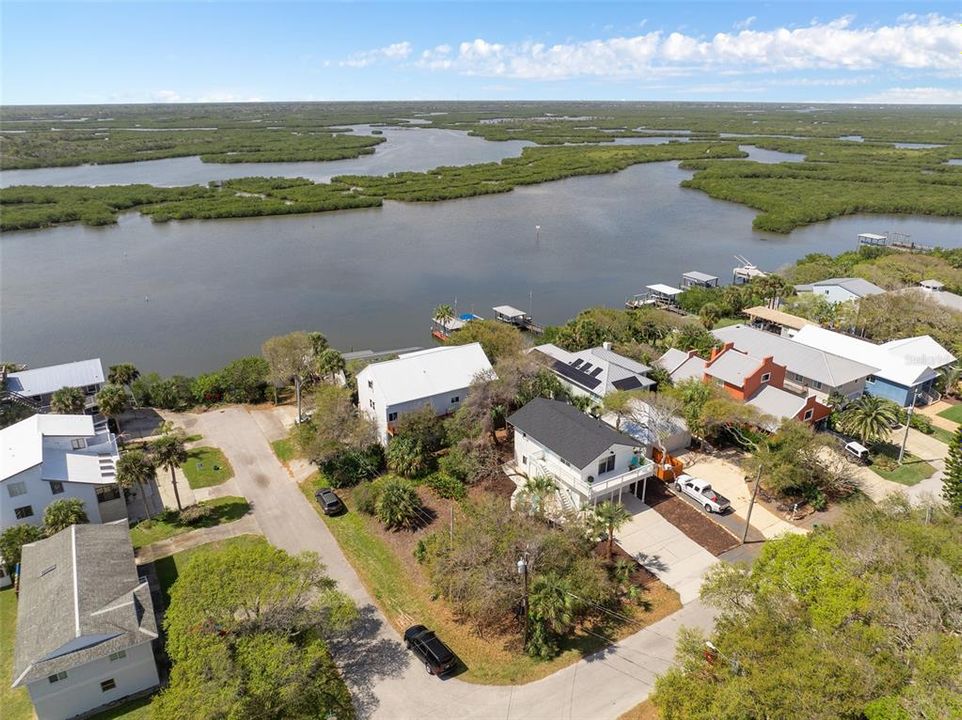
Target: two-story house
{"type": "Point", "coordinates": [438, 378]}
{"type": "Point", "coordinates": [49, 457]}
{"type": "Point", "coordinates": [85, 622]}
{"type": "Point", "coordinates": [595, 372]}
{"type": "Point", "coordinates": [839, 290]}
{"type": "Point", "coordinates": [588, 459]}
{"type": "Point", "coordinates": [37, 386]}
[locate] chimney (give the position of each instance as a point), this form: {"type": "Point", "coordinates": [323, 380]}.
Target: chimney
{"type": "Point", "coordinates": [606, 345]}
{"type": "Point", "coordinates": [715, 352]}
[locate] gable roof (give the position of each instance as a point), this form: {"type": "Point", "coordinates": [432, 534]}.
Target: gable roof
{"type": "Point", "coordinates": [920, 350]}
{"type": "Point", "coordinates": [856, 286]}
{"type": "Point", "coordinates": [672, 359]}
{"type": "Point", "coordinates": [21, 444]}
{"type": "Point", "coordinates": [813, 363]}
{"type": "Point", "coordinates": [566, 431]}
{"type": "Point", "coordinates": [597, 370]}
{"type": "Point", "coordinates": [44, 380]}
{"type": "Point", "coordinates": [778, 403]}
{"type": "Point", "coordinates": [80, 599]}
{"type": "Point", "coordinates": [422, 374]}
{"type": "Point", "coordinates": [733, 366]}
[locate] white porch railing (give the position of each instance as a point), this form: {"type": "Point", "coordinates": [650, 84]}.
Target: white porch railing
{"type": "Point", "coordinates": [604, 485]}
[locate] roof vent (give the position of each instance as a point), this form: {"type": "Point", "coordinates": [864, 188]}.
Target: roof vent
{"type": "Point", "coordinates": [48, 570]}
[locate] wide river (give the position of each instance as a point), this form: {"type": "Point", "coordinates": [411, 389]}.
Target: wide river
{"type": "Point", "coordinates": [187, 297]}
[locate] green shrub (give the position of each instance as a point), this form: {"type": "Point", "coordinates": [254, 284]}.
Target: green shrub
{"type": "Point", "coordinates": [921, 423]}
{"type": "Point", "coordinates": [447, 487]}
{"type": "Point", "coordinates": [365, 497]}
{"type": "Point", "coordinates": [351, 466]}
{"type": "Point", "coordinates": [398, 504]}
{"type": "Point", "coordinates": [194, 514]}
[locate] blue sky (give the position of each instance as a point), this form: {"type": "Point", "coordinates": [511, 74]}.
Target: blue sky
{"type": "Point", "coordinates": [82, 52]}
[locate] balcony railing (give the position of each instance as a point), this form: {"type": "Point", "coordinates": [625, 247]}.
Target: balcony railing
{"type": "Point", "coordinates": [603, 485]}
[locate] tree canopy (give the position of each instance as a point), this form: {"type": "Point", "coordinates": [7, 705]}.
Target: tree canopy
{"type": "Point", "coordinates": [497, 339]}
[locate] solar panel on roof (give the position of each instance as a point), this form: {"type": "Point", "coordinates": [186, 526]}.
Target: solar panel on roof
{"type": "Point", "coordinates": [577, 363]}
{"type": "Point", "coordinates": [576, 376]}
{"type": "Point", "coordinates": [586, 367]}
{"type": "Point", "coordinates": [596, 372]}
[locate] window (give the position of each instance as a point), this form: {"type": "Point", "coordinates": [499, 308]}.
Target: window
{"type": "Point", "coordinates": [370, 384]}
{"type": "Point", "coordinates": [119, 655]}
{"type": "Point", "coordinates": [391, 417]}
{"type": "Point", "coordinates": [766, 377]}
{"type": "Point", "coordinates": [17, 488]}
{"type": "Point", "coordinates": [606, 465]}
{"type": "Point", "coordinates": [371, 403]}
{"type": "Point", "coordinates": [78, 443]}
{"type": "Point", "coordinates": [808, 415]}
{"type": "Point", "coordinates": [870, 379]}
{"type": "Point", "coordinates": [455, 399]}
{"type": "Point", "coordinates": [57, 677]}
{"type": "Point", "coordinates": [91, 389]}
{"type": "Point", "coordinates": [524, 459]}
{"type": "Point", "coordinates": [56, 487]}
{"type": "Point", "coordinates": [106, 493]}
{"type": "Point", "coordinates": [23, 512]}
{"type": "Point", "coordinates": [108, 685]}
{"type": "Point", "coordinates": [816, 384]}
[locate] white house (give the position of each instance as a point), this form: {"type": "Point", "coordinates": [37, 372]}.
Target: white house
{"type": "Point", "coordinates": [438, 378]}
{"type": "Point", "coordinates": [839, 290]}
{"type": "Point", "coordinates": [39, 384]}
{"type": "Point", "coordinates": [595, 372]}
{"type": "Point", "coordinates": [85, 622]}
{"type": "Point", "coordinates": [50, 457]}
{"type": "Point", "coordinates": [589, 460]}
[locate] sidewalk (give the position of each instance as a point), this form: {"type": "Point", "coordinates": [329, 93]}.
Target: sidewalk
{"type": "Point", "coordinates": [932, 413]}
{"type": "Point", "coordinates": [247, 525]}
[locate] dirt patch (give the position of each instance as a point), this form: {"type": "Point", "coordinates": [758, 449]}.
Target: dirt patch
{"type": "Point", "coordinates": [500, 485]}
{"type": "Point", "coordinates": [703, 530]}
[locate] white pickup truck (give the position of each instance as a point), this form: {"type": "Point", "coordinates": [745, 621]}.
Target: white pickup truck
{"type": "Point", "coordinates": [701, 492]}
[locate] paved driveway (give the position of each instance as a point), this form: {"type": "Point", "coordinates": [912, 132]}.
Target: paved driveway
{"type": "Point", "coordinates": [383, 679]}
{"type": "Point", "coordinates": [676, 559]}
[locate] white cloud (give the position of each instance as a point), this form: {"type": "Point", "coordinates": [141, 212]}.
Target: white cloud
{"type": "Point", "coordinates": [916, 96]}
{"type": "Point", "coordinates": [395, 51]}
{"type": "Point", "coordinates": [930, 42]}
{"type": "Point", "coordinates": [746, 23]}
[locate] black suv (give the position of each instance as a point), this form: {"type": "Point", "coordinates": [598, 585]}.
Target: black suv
{"type": "Point", "coordinates": [436, 656]}
{"type": "Point", "coordinates": [330, 503]}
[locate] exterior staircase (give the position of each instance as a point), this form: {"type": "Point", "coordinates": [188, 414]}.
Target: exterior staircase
{"type": "Point", "coordinates": [108, 470]}
{"type": "Point", "coordinates": [18, 399]}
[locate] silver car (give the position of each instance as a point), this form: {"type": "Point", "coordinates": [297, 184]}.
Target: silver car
{"type": "Point", "coordinates": [702, 493]}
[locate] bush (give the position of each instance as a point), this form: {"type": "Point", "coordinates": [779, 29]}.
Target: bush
{"type": "Point", "coordinates": [447, 487]}
{"type": "Point", "coordinates": [457, 464]}
{"type": "Point", "coordinates": [407, 456]}
{"type": "Point", "coordinates": [351, 466]}
{"type": "Point", "coordinates": [921, 423]}
{"type": "Point", "coordinates": [398, 504]}
{"type": "Point", "coordinates": [365, 497]}
{"type": "Point", "coordinates": [194, 514]}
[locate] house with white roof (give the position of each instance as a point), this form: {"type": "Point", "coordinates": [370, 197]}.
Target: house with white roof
{"type": "Point", "coordinates": [38, 385]}
{"type": "Point", "coordinates": [595, 372]}
{"type": "Point", "coordinates": [85, 622]}
{"type": "Point", "coordinates": [935, 291]}
{"type": "Point", "coordinates": [51, 457]}
{"type": "Point", "coordinates": [906, 369]}
{"type": "Point", "coordinates": [438, 378]}
{"type": "Point", "coordinates": [839, 290]}
{"type": "Point", "coordinates": [588, 459]}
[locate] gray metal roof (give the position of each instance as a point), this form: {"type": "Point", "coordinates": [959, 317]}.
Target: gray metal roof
{"type": "Point", "coordinates": [826, 368]}
{"type": "Point", "coordinates": [566, 431]}
{"type": "Point", "coordinates": [699, 276]}
{"type": "Point", "coordinates": [856, 286]}
{"type": "Point", "coordinates": [733, 367]}
{"type": "Point", "coordinates": [778, 403]}
{"type": "Point", "coordinates": [44, 380]}
{"type": "Point", "coordinates": [80, 599]}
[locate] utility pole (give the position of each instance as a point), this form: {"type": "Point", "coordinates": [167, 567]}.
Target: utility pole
{"type": "Point", "coordinates": [908, 422]}
{"type": "Point", "coordinates": [751, 504]}
{"type": "Point", "coordinates": [451, 534]}
{"type": "Point", "coordinates": [297, 391]}
{"type": "Point", "coordinates": [523, 571]}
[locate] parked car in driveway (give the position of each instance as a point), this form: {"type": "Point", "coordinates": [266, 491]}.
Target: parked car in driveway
{"type": "Point", "coordinates": [428, 648]}
{"type": "Point", "coordinates": [858, 452]}
{"type": "Point", "coordinates": [701, 491]}
{"type": "Point", "coordinates": [329, 501]}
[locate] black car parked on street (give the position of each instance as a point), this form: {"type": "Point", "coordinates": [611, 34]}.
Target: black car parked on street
{"type": "Point", "coordinates": [436, 656]}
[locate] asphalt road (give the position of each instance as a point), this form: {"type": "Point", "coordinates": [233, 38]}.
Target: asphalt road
{"type": "Point", "coordinates": [384, 679]}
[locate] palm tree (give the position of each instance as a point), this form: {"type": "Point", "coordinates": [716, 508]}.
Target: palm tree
{"type": "Point", "coordinates": [443, 313]}
{"type": "Point", "coordinates": [169, 451]}
{"type": "Point", "coordinates": [536, 490]}
{"type": "Point", "coordinates": [122, 374]}
{"type": "Point", "coordinates": [63, 513]}
{"type": "Point", "coordinates": [68, 401]}
{"type": "Point", "coordinates": [611, 516]}
{"type": "Point", "coordinates": [330, 363]}
{"type": "Point", "coordinates": [112, 401]}
{"type": "Point", "coordinates": [551, 611]}
{"type": "Point", "coordinates": [709, 314]}
{"type": "Point", "coordinates": [136, 466]}
{"type": "Point", "coordinates": [870, 418]}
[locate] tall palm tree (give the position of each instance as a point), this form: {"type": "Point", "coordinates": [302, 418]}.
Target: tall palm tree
{"type": "Point", "coordinates": [611, 516]}
{"type": "Point", "coordinates": [443, 313]}
{"type": "Point", "coordinates": [112, 400]}
{"type": "Point", "coordinates": [870, 418]}
{"type": "Point", "coordinates": [63, 513]}
{"type": "Point", "coordinates": [709, 314]}
{"type": "Point", "coordinates": [122, 374]}
{"type": "Point", "coordinates": [330, 363]}
{"type": "Point", "coordinates": [136, 467]}
{"type": "Point", "coordinates": [169, 451]}
{"type": "Point", "coordinates": [537, 489]}
{"type": "Point", "coordinates": [68, 401]}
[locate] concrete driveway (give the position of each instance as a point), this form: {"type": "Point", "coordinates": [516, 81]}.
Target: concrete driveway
{"type": "Point", "coordinates": [384, 681]}
{"type": "Point", "coordinates": [676, 559]}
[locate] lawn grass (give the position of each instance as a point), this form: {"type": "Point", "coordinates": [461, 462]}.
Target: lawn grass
{"type": "Point", "coordinates": [943, 435]}
{"type": "Point", "coordinates": [206, 467]}
{"type": "Point", "coordinates": [911, 472]}
{"type": "Point", "coordinates": [953, 413]}
{"type": "Point", "coordinates": [644, 711]}
{"type": "Point", "coordinates": [225, 510]}
{"type": "Point", "coordinates": [284, 450]}
{"type": "Point", "coordinates": [727, 321]}
{"type": "Point", "coordinates": [168, 568]}
{"type": "Point", "coordinates": [406, 599]}
{"type": "Point", "coordinates": [138, 709]}
{"type": "Point", "coordinates": [15, 703]}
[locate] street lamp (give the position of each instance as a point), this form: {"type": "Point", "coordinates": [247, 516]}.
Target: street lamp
{"type": "Point", "coordinates": [523, 571]}
{"type": "Point", "coordinates": [908, 421]}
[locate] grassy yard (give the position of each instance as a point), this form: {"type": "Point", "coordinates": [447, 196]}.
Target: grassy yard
{"type": "Point", "coordinates": [644, 711]}
{"type": "Point", "coordinates": [912, 471]}
{"type": "Point", "coordinates": [953, 413]}
{"type": "Point", "coordinates": [405, 598]}
{"type": "Point", "coordinates": [134, 710]}
{"type": "Point", "coordinates": [943, 435]}
{"type": "Point", "coordinates": [15, 704]}
{"type": "Point", "coordinates": [225, 510]}
{"type": "Point", "coordinates": [169, 568]}
{"type": "Point", "coordinates": [284, 450]}
{"type": "Point", "coordinates": [206, 466]}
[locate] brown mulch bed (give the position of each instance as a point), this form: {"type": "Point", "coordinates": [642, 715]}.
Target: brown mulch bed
{"type": "Point", "coordinates": [711, 536]}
